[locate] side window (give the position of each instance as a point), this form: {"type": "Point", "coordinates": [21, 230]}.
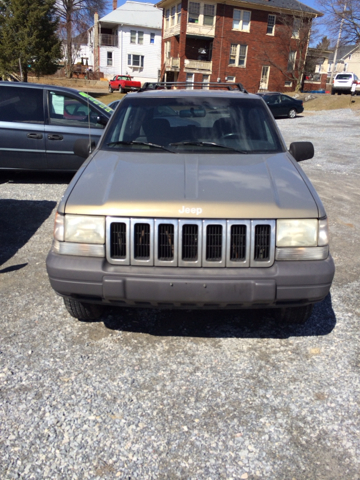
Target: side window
{"type": "Point", "coordinates": [24, 105]}
{"type": "Point", "coordinates": [72, 112]}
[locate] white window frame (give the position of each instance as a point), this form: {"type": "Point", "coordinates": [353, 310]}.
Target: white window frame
{"type": "Point", "coordinates": [207, 7]}
{"type": "Point", "coordinates": [133, 37]}
{"type": "Point", "coordinates": [291, 60]}
{"type": "Point", "coordinates": [109, 58]}
{"type": "Point", "coordinates": [296, 28]}
{"type": "Point", "coordinates": [264, 79]}
{"type": "Point", "coordinates": [172, 15]}
{"type": "Point", "coordinates": [178, 13]}
{"type": "Point", "coordinates": [131, 60]}
{"type": "Point", "coordinates": [230, 78]}
{"type": "Point", "coordinates": [238, 23]}
{"type": "Point", "coordinates": [167, 48]}
{"type": "Point", "coordinates": [288, 83]}
{"type": "Point", "coordinates": [167, 18]}
{"type": "Point", "coordinates": [205, 79]}
{"type": "Point", "coordinates": [190, 78]}
{"type": "Point", "coordinates": [152, 38]}
{"type": "Point", "coordinates": [271, 25]}
{"type": "Point", "coordinates": [236, 52]}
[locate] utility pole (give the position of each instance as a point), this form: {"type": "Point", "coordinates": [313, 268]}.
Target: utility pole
{"type": "Point", "coordinates": [337, 45]}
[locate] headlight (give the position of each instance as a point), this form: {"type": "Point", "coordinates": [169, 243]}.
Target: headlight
{"type": "Point", "coordinates": [84, 229]}
{"type": "Point", "coordinates": [297, 233]}
{"type": "Point", "coordinates": [59, 229]}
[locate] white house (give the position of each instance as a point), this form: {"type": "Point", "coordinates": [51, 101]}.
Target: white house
{"type": "Point", "coordinates": [128, 41]}
{"type": "Point", "coordinates": [347, 60]}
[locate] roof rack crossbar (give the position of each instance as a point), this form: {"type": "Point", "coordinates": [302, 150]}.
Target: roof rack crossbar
{"type": "Point", "coordinates": [192, 85]}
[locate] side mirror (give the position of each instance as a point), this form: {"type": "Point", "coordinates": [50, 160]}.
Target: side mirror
{"type": "Point", "coordinates": [83, 148]}
{"type": "Point", "coordinates": [102, 120]}
{"type": "Point", "coordinates": [302, 150]}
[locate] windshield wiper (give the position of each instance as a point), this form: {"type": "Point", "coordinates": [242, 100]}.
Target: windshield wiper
{"type": "Point", "coordinates": [135, 142]}
{"type": "Point", "coordinates": [207, 144]}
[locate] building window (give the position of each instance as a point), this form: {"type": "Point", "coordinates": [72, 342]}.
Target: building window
{"type": "Point", "coordinates": [136, 60]}
{"type": "Point", "coordinates": [140, 38]}
{"type": "Point", "coordinates": [238, 55]}
{"type": "Point", "coordinates": [167, 46]}
{"type": "Point", "coordinates": [152, 37]}
{"type": "Point", "coordinates": [172, 19]}
{"type": "Point", "coordinates": [271, 25]}
{"type": "Point", "coordinates": [178, 13]}
{"type": "Point", "coordinates": [205, 81]}
{"type": "Point", "coordinates": [230, 79]}
{"type": "Point", "coordinates": [241, 20]}
{"type": "Point", "coordinates": [194, 12]}
{"type": "Point", "coordinates": [190, 79]}
{"type": "Point", "coordinates": [136, 37]}
{"type": "Point", "coordinates": [209, 14]}
{"type": "Point", "coordinates": [109, 59]}
{"type": "Point", "coordinates": [167, 18]}
{"type": "Point", "coordinates": [296, 28]}
{"type": "Point", "coordinates": [288, 84]}
{"type": "Point", "coordinates": [291, 61]}
{"type": "Point", "coordinates": [132, 36]}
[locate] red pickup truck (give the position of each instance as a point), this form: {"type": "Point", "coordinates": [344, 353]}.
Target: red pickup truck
{"type": "Point", "coordinates": [123, 83]}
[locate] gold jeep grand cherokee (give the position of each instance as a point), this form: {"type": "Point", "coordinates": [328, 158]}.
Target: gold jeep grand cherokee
{"type": "Point", "coordinates": [191, 199]}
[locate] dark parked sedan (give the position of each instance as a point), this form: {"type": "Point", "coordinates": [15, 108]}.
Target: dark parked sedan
{"type": "Point", "coordinates": [282, 105]}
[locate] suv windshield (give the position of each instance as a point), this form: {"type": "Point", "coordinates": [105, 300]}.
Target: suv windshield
{"type": "Point", "coordinates": [198, 124]}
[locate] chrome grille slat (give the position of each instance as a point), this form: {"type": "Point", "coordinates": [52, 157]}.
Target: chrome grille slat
{"type": "Point", "coordinates": [190, 243]}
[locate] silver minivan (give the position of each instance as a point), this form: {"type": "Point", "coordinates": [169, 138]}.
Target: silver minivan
{"type": "Point", "coordinates": [40, 123]}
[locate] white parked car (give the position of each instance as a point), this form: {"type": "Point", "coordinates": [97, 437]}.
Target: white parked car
{"type": "Point", "coordinates": [343, 82]}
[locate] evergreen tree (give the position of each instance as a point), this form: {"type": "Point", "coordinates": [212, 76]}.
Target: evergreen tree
{"type": "Point", "coordinates": [28, 40]}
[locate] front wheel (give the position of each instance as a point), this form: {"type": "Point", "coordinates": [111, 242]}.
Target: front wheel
{"type": "Point", "coordinates": [110, 89]}
{"type": "Point", "coordinates": [83, 311]}
{"type": "Point", "coordinates": [292, 113]}
{"type": "Point", "coordinates": [294, 315]}
{"type": "Point", "coordinates": [121, 90]}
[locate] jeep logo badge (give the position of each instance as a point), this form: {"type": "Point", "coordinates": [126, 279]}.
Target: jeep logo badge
{"type": "Point", "coordinates": [194, 210]}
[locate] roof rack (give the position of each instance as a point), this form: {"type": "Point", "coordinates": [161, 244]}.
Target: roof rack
{"type": "Point", "coordinates": [192, 85]}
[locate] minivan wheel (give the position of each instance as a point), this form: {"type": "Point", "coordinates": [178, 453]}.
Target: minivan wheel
{"type": "Point", "coordinates": [292, 113]}
{"type": "Point", "coordinates": [294, 315]}
{"type": "Point", "coordinates": [83, 311]}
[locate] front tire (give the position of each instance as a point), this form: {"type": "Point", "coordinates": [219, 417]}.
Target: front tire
{"type": "Point", "coordinates": [294, 315]}
{"type": "Point", "coordinates": [83, 311]}
{"type": "Point", "coordinates": [110, 89]}
{"type": "Point", "coordinates": [121, 90]}
{"type": "Point", "coordinates": [292, 113]}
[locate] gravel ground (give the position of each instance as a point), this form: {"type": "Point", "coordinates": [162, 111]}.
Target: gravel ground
{"type": "Point", "coordinates": [195, 395]}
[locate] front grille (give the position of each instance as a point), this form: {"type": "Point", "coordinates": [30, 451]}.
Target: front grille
{"type": "Point", "coordinates": [190, 243]}
{"type": "Point", "coordinates": [262, 243]}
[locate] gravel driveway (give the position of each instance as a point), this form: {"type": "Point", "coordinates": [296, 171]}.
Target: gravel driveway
{"type": "Point", "coordinates": [190, 395]}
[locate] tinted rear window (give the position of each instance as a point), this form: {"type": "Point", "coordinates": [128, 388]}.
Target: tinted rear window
{"type": "Point", "coordinates": [21, 105]}
{"type": "Point", "coordinates": [343, 76]}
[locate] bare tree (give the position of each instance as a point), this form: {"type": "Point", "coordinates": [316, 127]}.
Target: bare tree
{"type": "Point", "coordinates": [293, 35]}
{"type": "Point", "coordinates": [345, 12]}
{"type": "Point", "coordinates": [76, 16]}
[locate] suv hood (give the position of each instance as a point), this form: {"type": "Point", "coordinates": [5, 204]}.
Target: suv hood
{"type": "Point", "coordinates": [160, 184]}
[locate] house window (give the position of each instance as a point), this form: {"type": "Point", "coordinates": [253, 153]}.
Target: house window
{"type": "Point", "coordinates": [140, 38]}
{"type": "Point", "coordinates": [172, 19]}
{"type": "Point", "coordinates": [178, 12]}
{"type": "Point", "coordinates": [209, 13]}
{"type": "Point", "coordinates": [241, 20]}
{"type": "Point", "coordinates": [132, 36]}
{"type": "Point", "coordinates": [152, 37]}
{"type": "Point", "coordinates": [238, 55]}
{"type": "Point", "coordinates": [271, 25]}
{"type": "Point", "coordinates": [109, 59]}
{"type": "Point", "coordinates": [264, 79]}
{"type": "Point", "coordinates": [296, 28]}
{"type": "Point", "coordinates": [136, 60]}
{"type": "Point", "coordinates": [136, 37]}
{"type": "Point", "coordinates": [288, 84]}
{"type": "Point", "coordinates": [230, 79]}
{"type": "Point", "coordinates": [190, 79]}
{"type": "Point", "coordinates": [194, 12]}
{"type": "Point", "coordinates": [167, 49]}
{"type": "Point", "coordinates": [205, 81]}
{"type": "Point", "coordinates": [291, 61]}
{"type": "Point", "coordinates": [167, 18]}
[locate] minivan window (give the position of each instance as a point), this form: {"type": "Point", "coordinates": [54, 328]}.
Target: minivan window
{"type": "Point", "coordinates": [21, 105]}
{"type": "Point", "coordinates": [70, 111]}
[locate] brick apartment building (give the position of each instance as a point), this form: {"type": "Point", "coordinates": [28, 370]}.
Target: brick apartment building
{"type": "Point", "coordinates": [260, 43]}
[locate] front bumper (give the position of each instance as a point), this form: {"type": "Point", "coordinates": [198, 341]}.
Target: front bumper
{"type": "Point", "coordinates": [285, 283]}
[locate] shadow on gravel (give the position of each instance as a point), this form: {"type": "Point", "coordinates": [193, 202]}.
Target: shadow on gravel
{"type": "Point", "coordinates": [19, 220]}
{"type": "Point", "coordinates": [219, 323]}
{"type": "Point", "coordinates": [50, 178]}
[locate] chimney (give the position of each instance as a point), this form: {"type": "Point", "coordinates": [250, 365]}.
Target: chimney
{"type": "Point", "coordinates": [114, 4]}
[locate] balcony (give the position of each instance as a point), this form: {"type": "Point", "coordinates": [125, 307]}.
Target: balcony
{"type": "Point", "coordinates": [198, 66]}
{"type": "Point", "coordinates": [107, 40]}
{"type": "Point", "coordinates": [172, 64]}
